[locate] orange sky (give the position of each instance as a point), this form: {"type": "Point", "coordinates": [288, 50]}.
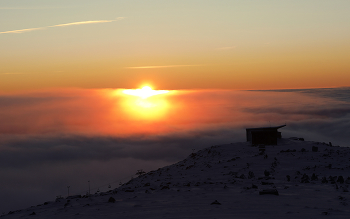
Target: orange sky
{"type": "Point", "coordinates": [174, 45]}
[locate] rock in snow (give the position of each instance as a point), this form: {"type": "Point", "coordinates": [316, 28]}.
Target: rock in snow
{"type": "Point", "coordinates": [288, 180]}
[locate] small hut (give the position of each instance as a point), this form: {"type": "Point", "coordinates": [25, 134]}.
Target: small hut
{"type": "Point", "coordinates": [264, 135]}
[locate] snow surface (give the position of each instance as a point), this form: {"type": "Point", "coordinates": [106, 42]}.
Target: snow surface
{"type": "Point", "coordinates": [225, 181]}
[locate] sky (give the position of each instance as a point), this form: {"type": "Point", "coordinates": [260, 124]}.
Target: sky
{"type": "Point", "coordinates": [192, 44]}
{"type": "Point", "coordinates": [65, 67]}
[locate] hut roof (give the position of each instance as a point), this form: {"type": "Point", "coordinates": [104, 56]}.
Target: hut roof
{"type": "Point", "coordinates": [265, 128]}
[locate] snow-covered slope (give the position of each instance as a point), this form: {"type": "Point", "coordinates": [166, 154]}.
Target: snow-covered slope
{"type": "Point", "coordinates": [302, 179]}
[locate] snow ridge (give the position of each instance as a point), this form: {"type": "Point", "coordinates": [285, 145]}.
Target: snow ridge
{"type": "Point", "coordinates": [295, 178]}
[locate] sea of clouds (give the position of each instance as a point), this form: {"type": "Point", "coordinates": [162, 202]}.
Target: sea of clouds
{"type": "Point", "coordinates": [52, 139]}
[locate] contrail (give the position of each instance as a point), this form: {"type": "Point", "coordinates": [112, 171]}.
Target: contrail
{"type": "Point", "coordinates": [62, 25]}
{"type": "Point", "coordinates": [162, 66]}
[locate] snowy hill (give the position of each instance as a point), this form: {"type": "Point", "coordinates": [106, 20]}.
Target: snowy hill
{"type": "Point", "coordinates": [293, 179]}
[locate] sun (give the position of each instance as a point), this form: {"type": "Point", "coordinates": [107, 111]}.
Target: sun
{"type": "Point", "coordinates": [144, 92]}
{"type": "Point", "coordinates": [145, 103]}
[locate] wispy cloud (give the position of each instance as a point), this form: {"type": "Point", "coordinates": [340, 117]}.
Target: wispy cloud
{"type": "Point", "coordinates": [23, 30]}
{"type": "Point", "coordinates": [37, 7]}
{"type": "Point", "coordinates": [86, 22]}
{"type": "Point", "coordinates": [162, 66]}
{"type": "Point", "coordinates": [62, 25]}
{"type": "Point", "coordinates": [227, 48]}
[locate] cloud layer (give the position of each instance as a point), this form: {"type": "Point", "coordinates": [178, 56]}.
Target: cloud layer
{"type": "Point", "coordinates": [51, 139]}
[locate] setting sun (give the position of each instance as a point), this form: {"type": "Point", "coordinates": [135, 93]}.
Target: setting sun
{"type": "Point", "coordinates": [144, 92]}
{"type": "Point", "coordinates": [145, 103]}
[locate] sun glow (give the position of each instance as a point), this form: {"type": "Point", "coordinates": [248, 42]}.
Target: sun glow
{"type": "Point", "coordinates": [145, 103]}
{"type": "Point", "coordinates": [144, 92]}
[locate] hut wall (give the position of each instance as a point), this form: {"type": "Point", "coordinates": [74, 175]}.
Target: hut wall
{"type": "Point", "coordinates": [268, 137]}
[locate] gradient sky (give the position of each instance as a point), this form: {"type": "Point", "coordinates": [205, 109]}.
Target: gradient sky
{"type": "Point", "coordinates": [183, 44]}
{"type": "Point", "coordinates": [64, 118]}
